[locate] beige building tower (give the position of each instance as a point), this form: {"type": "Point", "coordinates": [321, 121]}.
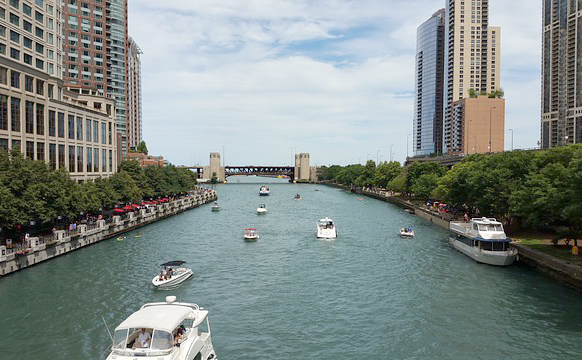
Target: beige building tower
{"type": "Point", "coordinates": [561, 73]}
{"type": "Point", "coordinates": [215, 168]}
{"type": "Point", "coordinates": [472, 61]}
{"type": "Point", "coordinates": [302, 168]}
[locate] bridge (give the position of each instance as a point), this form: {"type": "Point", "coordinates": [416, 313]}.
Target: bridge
{"type": "Point", "coordinates": [301, 172]}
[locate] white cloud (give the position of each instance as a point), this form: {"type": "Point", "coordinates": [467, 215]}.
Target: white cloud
{"type": "Point", "coordinates": [333, 78]}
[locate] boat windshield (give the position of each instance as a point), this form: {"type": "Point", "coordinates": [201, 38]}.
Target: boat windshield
{"type": "Point", "coordinates": [162, 340]}
{"type": "Point", "coordinates": [490, 227]}
{"type": "Point", "coordinates": [119, 338]}
{"type": "Point", "coordinates": [495, 246]}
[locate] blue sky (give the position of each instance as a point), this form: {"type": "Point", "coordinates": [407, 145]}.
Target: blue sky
{"type": "Point", "coordinates": [335, 78]}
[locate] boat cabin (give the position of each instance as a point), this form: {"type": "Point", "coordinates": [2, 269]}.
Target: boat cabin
{"type": "Point", "coordinates": [325, 223]}
{"type": "Point", "coordinates": [158, 329]}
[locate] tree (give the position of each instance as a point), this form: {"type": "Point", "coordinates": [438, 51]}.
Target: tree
{"type": "Point", "coordinates": [416, 170]}
{"type": "Point", "coordinates": [142, 148]}
{"type": "Point", "coordinates": [385, 172]}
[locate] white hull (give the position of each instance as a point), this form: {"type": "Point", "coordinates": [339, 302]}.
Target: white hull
{"type": "Point", "coordinates": [251, 238]}
{"type": "Point", "coordinates": [326, 233]}
{"type": "Point", "coordinates": [406, 234]}
{"type": "Point", "coordinates": [261, 211]}
{"type": "Point", "coordinates": [498, 258]}
{"type": "Point", "coordinates": [182, 275]}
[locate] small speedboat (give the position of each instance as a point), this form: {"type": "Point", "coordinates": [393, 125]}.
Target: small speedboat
{"type": "Point", "coordinates": [406, 232]}
{"type": "Point", "coordinates": [326, 229]}
{"type": "Point", "coordinates": [170, 278]}
{"type": "Point", "coordinates": [215, 206]}
{"type": "Point", "coordinates": [167, 330]}
{"type": "Point", "coordinates": [251, 234]}
{"type": "Point", "coordinates": [297, 197]}
{"type": "Point", "coordinates": [262, 209]}
{"type": "Point", "coordinates": [120, 238]}
{"type": "Point", "coordinates": [137, 235]}
{"type": "Point", "coordinates": [264, 191]}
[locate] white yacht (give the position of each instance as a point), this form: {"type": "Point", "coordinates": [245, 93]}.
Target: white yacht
{"type": "Point", "coordinates": [326, 229]}
{"type": "Point", "coordinates": [264, 191]}
{"type": "Point", "coordinates": [483, 240]}
{"type": "Point", "coordinates": [215, 206]}
{"type": "Point", "coordinates": [406, 232]}
{"type": "Point", "coordinates": [164, 331]}
{"type": "Point", "coordinates": [170, 278]}
{"type": "Point", "coordinates": [262, 209]}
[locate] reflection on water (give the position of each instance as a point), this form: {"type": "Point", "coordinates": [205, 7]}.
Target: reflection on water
{"type": "Point", "coordinates": [367, 294]}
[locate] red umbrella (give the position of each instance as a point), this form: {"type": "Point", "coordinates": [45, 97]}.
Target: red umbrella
{"type": "Point", "coordinates": [118, 210]}
{"type": "Point", "coordinates": [127, 207]}
{"type": "Point", "coordinates": [142, 203]}
{"type": "Point", "coordinates": [135, 206]}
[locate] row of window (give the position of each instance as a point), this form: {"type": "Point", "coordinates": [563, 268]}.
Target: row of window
{"type": "Point", "coordinates": [95, 159]}
{"type": "Point", "coordinates": [34, 122]}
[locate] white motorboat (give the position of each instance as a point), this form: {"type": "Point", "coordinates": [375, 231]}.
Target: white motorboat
{"type": "Point", "coordinates": [251, 234]}
{"type": "Point", "coordinates": [262, 209]}
{"type": "Point", "coordinates": [164, 331]}
{"type": "Point", "coordinates": [483, 240]}
{"type": "Point", "coordinates": [297, 197]}
{"type": "Point", "coordinates": [406, 232]}
{"type": "Point", "coordinates": [215, 206]}
{"type": "Point", "coordinates": [171, 278]}
{"type": "Point", "coordinates": [264, 191]}
{"type": "Point", "coordinates": [326, 229]}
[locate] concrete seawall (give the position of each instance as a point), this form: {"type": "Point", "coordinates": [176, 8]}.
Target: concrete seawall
{"type": "Point", "coordinates": [36, 250]}
{"type": "Point", "coordinates": [551, 266]}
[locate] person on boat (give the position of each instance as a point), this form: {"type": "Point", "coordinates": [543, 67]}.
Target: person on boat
{"type": "Point", "coordinates": [169, 273]}
{"type": "Point", "coordinates": [143, 339]}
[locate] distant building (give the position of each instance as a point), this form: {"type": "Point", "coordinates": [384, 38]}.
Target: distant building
{"type": "Point", "coordinates": [471, 63]}
{"type": "Point", "coordinates": [483, 122]}
{"type": "Point", "coordinates": [561, 122]}
{"type": "Point", "coordinates": [146, 160]}
{"type": "Point", "coordinates": [40, 117]}
{"type": "Point", "coordinates": [134, 128]}
{"type": "Point", "coordinates": [428, 94]}
{"type": "Point", "coordinates": [302, 168]}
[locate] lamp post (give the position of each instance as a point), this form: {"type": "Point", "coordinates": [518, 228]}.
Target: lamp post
{"type": "Point", "coordinates": [490, 110]}
{"type": "Point", "coordinates": [407, 136]}
{"type": "Point", "coordinates": [391, 152]}
{"type": "Point", "coordinates": [511, 139]}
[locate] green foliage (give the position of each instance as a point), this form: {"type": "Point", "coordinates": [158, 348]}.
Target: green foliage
{"type": "Point", "coordinates": [142, 148]}
{"type": "Point", "coordinates": [416, 170]}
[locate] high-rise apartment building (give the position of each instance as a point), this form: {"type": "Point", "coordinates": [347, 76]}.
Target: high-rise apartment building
{"type": "Point", "coordinates": [472, 61]}
{"type": "Point", "coordinates": [428, 99]}
{"type": "Point", "coordinates": [96, 43]}
{"type": "Point", "coordinates": [38, 116]}
{"type": "Point", "coordinates": [134, 134]}
{"type": "Point", "coordinates": [561, 73]}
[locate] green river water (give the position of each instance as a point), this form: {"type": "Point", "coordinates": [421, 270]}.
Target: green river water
{"type": "Point", "coordinates": [368, 294]}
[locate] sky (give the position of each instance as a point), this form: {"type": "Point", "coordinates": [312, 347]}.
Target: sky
{"type": "Point", "coordinates": [260, 80]}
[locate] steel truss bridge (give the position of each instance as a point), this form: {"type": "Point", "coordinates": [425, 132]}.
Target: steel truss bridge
{"type": "Point", "coordinates": [260, 171]}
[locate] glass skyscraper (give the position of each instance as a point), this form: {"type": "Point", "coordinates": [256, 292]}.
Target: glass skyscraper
{"type": "Point", "coordinates": [428, 100]}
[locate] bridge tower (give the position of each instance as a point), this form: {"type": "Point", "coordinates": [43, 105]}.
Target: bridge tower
{"type": "Point", "coordinates": [302, 169]}
{"type": "Point", "coordinates": [214, 168]}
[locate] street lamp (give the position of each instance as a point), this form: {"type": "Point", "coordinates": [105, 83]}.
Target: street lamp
{"type": "Point", "coordinates": [490, 110]}
{"type": "Point", "coordinates": [407, 136]}
{"type": "Point", "coordinates": [511, 139]}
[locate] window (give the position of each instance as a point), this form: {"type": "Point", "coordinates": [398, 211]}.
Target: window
{"type": "Point", "coordinates": [27, 26]}
{"type": "Point", "coordinates": [61, 125]}
{"type": "Point", "coordinates": [39, 64]}
{"type": "Point", "coordinates": [61, 156]}
{"type": "Point", "coordinates": [39, 87]}
{"type": "Point", "coordinates": [15, 114]}
{"type": "Point", "coordinates": [39, 32]}
{"type": "Point", "coordinates": [39, 119]}
{"type": "Point", "coordinates": [79, 128]}
{"type": "Point", "coordinates": [89, 160]}
{"type": "Point", "coordinates": [14, 79]}
{"type": "Point", "coordinates": [79, 159]}
{"type": "Point", "coordinates": [3, 112]}
{"type": "Point", "coordinates": [110, 160]}
{"type": "Point", "coordinates": [39, 48]}
{"type": "Point", "coordinates": [103, 135]}
{"type": "Point", "coordinates": [28, 83]}
{"type": "Point", "coordinates": [14, 36]}
{"type": "Point", "coordinates": [39, 3]}
{"type": "Point", "coordinates": [104, 160]}
{"type": "Point", "coordinates": [4, 144]}
{"type": "Point", "coordinates": [16, 145]}
{"type": "Point", "coordinates": [14, 19]}
{"type": "Point", "coordinates": [2, 13]}
{"type": "Point", "coordinates": [30, 150]}
{"type": "Point", "coordinates": [71, 159]}
{"type": "Point", "coordinates": [40, 151]}
{"type": "Point", "coordinates": [27, 42]}
{"type": "Point", "coordinates": [96, 160]}
{"type": "Point", "coordinates": [51, 123]}
{"type": "Point", "coordinates": [53, 156]}
{"type": "Point", "coordinates": [3, 75]}
{"type": "Point", "coordinates": [38, 16]}
{"type": "Point", "coordinates": [2, 29]}
{"type": "Point", "coordinates": [27, 59]}
{"type": "Point", "coordinates": [15, 54]}
{"type": "Point", "coordinates": [95, 131]}
{"type": "Point", "coordinates": [88, 131]}
{"type": "Point", "coordinates": [15, 3]}
{"type": "Point", "coordinates": [29, 117]}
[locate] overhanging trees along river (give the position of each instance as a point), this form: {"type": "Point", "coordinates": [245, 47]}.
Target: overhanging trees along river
{"type": "Point", "coordinates": [31, 191]}
{"type": "Point", "coordinates": [538, 190]}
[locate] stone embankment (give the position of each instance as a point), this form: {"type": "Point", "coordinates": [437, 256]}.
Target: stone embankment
{"type": "Point", "coordinates": [36, 249]}
{"type": "Point", "coordinates": [553, 267]}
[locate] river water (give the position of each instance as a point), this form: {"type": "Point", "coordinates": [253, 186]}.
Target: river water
{"type": "Point", "coordinates": [367, 294]}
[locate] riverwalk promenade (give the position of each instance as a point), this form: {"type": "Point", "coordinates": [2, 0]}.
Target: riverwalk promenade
{"type": "Point", "coordinates": [34, 250]}
{"type": "Point", "coordinates": [558, 269]}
